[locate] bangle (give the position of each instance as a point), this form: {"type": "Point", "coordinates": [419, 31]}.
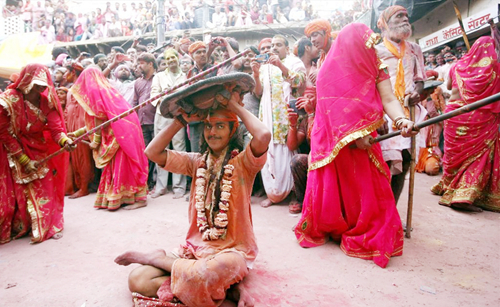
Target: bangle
{"type": "Point", "coordinates": [63, 140]}
{"type": "Point", "coordinates": [23, 159]}
{"type": "Point", "coordinates": [311, 114]}
{"type": "Point", "coordinates": [80, 131]}
{"type": "Point", "coordinates": [97, 138]}
{"type": "Point", "coordinates": [181, 120]}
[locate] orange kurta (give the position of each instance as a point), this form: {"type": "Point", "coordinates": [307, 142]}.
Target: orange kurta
{"type": "Point", "coordinates": [239, 248]}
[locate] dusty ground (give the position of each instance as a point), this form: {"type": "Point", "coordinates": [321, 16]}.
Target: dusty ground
{"type": "Point", "coordinates": [452, 259]}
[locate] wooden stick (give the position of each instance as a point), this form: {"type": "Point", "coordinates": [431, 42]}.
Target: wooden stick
{"type": "Point", "coordinates": [139, 106]}
{"type": "Point", "coordinates": [465, 109]}
{"type": "Point", "coordinates": [412, 177]}
{"type": "Point", "coordinates": [459, 17]}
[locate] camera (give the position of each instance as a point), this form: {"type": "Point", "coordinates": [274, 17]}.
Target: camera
{"type": "Point", "coordinates": [262, 58]}
{"type": "Point", "coordinates": [292, 104]}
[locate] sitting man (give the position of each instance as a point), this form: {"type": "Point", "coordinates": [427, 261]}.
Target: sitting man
{"type": "Point", "coordinates": [209, 269]}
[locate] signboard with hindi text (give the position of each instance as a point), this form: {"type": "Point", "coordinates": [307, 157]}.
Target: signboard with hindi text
{"type": "Point", "coordinates": [472, 23]}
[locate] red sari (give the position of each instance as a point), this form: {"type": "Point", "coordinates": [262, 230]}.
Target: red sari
{"type": "Point", "coordinates": [348, 196]}
{"type": "Point", "coordinates": [121, 152]}
{"type": "Point", "coordinates": [81, 157]}
{"type": "Point", "coordinates": [31, 201]}
{"type": "Point", "coordinates": [471, 162]}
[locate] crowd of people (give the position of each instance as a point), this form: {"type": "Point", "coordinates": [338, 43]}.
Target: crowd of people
{"type": "Point", "coordinates": [277, 110]}
{"type": "Point", "coordinates": [55, 22]}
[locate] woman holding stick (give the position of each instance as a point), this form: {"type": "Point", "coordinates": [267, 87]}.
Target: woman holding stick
{"type": "Point", "coordinates": [31, 128]}
{"type": "Point", "coordinates": [348, 196]}
{"type": "Point", "coordinates": [471, 161]}
{"type": "Point", "coordinates": [118, 149]}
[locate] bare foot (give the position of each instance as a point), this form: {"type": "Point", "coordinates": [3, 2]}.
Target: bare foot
{"type": "Point", "coordinates": [79, 193]}
{"type": "Point", "coordinates": [138, 257]}
{"type": "Point", "coordinates": [466, 207]}
{"type": "Point", "coordinates": [69, 192]}
{"type": "Point", "coordinates": [137, 205]}
{"type": "Point", "coordinates": [57, 235]}
{"type": "Point", "coordinates": [294, 207]}
{"type": "Point", "coordinates": [266, 203]}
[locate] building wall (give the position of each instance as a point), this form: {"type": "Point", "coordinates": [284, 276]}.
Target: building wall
{"type": "Point", "coordinates": [444, 16]}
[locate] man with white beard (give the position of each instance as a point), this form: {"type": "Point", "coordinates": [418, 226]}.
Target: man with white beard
{"type": "Point", "coordinates": [406, 68]}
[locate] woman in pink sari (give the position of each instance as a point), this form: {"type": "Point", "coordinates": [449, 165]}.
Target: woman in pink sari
{"type": "Point", "coordinates": [471, 162]}
{"type": "Point", "coordinates": [31, 128]}
{"type": "Point", "coordinates": [348, 196]}
{"type": "Point", "coordinates": [118, 149]}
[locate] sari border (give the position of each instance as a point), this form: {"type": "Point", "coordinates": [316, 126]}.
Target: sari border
{"type": "Point", "coordinates": [362, 132]}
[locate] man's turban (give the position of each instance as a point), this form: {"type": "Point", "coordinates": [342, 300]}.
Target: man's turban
{"type": "Point", "coordinates": [196, 46]}
{"type": "Point", "coordinates": [387, 14]}
{"type": "Point", "coordinates": [318, 25]}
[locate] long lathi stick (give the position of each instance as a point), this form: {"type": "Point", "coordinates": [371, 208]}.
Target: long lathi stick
{"type": "Point", "coordinates": [465, 109]}
{"type": "Point", "coordinates": [139, 106]}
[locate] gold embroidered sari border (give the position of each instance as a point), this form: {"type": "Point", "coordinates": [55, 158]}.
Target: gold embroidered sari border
{"type": "Point", "coordinates": [342, 143]}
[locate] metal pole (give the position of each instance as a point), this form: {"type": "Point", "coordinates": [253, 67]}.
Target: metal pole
{"type": "Point", "coordinates": [160, 23]}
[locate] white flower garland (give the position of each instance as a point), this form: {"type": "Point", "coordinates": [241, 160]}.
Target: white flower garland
{"type": "Point", "coordinates": [220, 221]}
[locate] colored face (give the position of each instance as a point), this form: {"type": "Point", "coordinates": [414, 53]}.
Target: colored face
{"type": "Point", "coordinates": [217, 135]}
{"type": "Point", "coordinates": [172, 62]}
{"type": "Point", "coordinates": [399, 19]}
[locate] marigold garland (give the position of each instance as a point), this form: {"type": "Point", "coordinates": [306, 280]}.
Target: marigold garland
{"type": "Point", "coordinates": [220, 221]}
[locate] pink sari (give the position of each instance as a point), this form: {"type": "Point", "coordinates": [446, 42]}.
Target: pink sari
{"type": "Point", "coordinates": [348, 196]}
{"type": "Point", "coordinates": [471, 159]}
{"type": "Point", "coordinates": [121, 153]}
{"type": "Point", "coordinates": [31, 201]}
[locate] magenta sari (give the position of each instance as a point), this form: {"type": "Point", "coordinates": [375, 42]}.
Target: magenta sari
{"type": "Point", "coordinates": [348, 196]}
{"type": "Point", "coordinates": [471, 161]}
{"type": "Point", "coordinates": [31, 201]}
{"type": "Point", "coordinates": [121, 152]}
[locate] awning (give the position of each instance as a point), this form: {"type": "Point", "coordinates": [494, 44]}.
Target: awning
{"type": "Point", "coordinates": [20, 49]}
{"type": "Point", "coordinates": [471, 24]}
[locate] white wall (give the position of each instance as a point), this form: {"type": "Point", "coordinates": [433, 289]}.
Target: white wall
{"type": "Point", "coordinates": [444, 16]}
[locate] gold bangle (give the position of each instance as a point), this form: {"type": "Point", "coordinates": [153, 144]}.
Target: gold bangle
{"type": "Point", "coordinates": [63, 140]}
{"type": "Point", "coordinates": [97, 138]}
{"type": "Point", "coordinates": [80, 131]}
{"type": "Point", "coordinates": [24, 159]}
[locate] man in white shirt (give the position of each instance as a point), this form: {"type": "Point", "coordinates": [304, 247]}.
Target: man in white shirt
{"type": "Point", "coordinates": [162, 81]}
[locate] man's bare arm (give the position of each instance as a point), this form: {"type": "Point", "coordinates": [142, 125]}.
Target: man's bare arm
{"type": "Point", "coordinates": [260, 133]}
